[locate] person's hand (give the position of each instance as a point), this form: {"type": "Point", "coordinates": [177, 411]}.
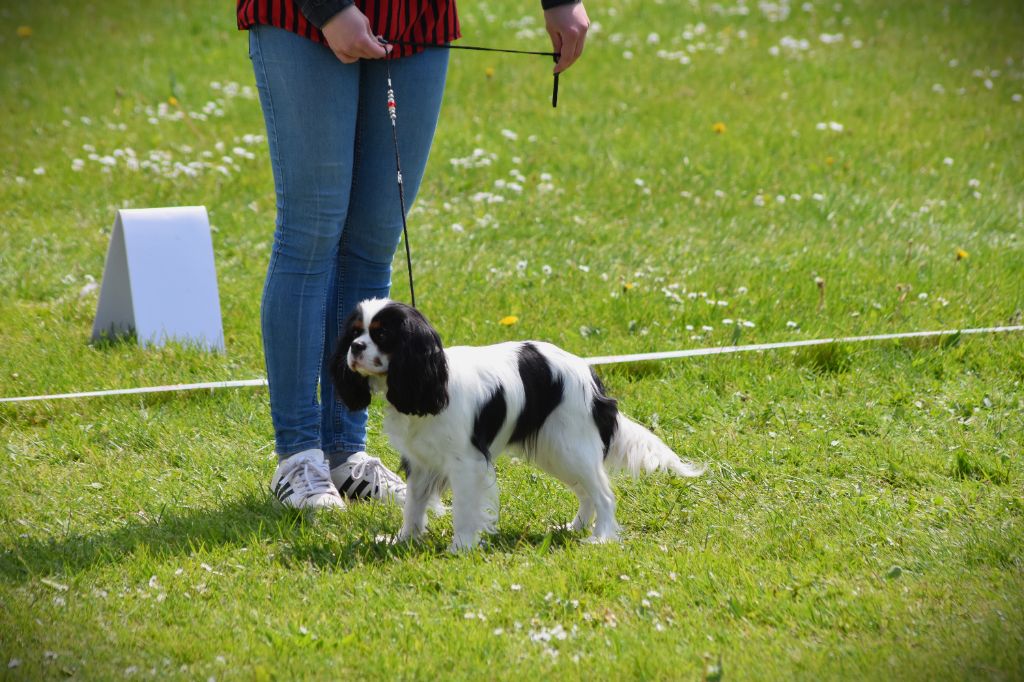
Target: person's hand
{"type": "Point", "coordinates": [567, 25]}
{"type": "Point", "coordinates": [349, 36]}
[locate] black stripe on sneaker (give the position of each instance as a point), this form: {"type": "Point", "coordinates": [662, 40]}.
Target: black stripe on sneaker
{"type": "Point", "coordinates": [346, 485]}
{"type": "Point", "coordinates": [360, 488]}
{"type": "Point", "coordinates": [283, 490]}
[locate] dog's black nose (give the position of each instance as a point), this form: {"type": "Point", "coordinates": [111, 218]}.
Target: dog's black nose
{"type": "Point", "coordinates": [357, 347]}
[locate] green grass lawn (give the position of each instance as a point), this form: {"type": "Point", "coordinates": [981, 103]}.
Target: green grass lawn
{"type": "Point", "coordinates": [810, 170]}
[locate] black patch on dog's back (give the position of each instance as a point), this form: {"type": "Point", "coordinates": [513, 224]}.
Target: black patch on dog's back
{"type": "Point", "coordinates": [543, 392]}
{"type": "Point", "coordinates": [488, 422]}
{"type": "Point", "coordinates": [605, 412]}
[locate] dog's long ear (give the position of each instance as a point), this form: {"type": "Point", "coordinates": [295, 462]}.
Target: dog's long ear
{"type": "Point", "coordinates": [352, 388]}
{"type": "Point", "coordinates": [418, 369]}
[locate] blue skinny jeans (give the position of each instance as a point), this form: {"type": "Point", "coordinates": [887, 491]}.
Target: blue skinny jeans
{"type": "Point", "coordinates": [338, 215]}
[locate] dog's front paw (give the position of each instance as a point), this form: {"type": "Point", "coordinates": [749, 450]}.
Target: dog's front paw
{"type": "Point", "coordinates": [436, 507]}
{"type": "Point", "coordinates": [574, 526]}
{"type": "Point", "coordinates": [465, 545]}
{"type": "Point", "coordinates": [408, 533]}
{"type": "Point", "coordinates": [600, 539]}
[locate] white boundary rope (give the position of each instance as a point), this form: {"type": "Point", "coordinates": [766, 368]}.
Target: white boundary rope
{"type": "Point", "coordinates": [212, 385]}
{"type": "Point", "coordinates": [722, 350]}
{"type": "Point", "coordinates": [601, 360]}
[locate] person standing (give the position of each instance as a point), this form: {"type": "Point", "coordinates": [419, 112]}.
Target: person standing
{"type": "Point", "coordinates": [320, 72]}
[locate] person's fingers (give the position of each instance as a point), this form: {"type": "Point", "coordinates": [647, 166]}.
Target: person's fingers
{"type": "Point", "coordinates": [371, 44]}
{"type": "Point", "coordinates": [350, 37]}
{"type": "Point", "coordinates": [571, 48]}
{"type": "Point", "coordinates": [567, 26]}
{"type": "Point", "coordinates": [364, 47]}
{"type": "Point", "coordinates": [556, 44]}
{"type": "Point", "coordinates": [368, 47]}
{"type": "Point", "coordinates": [556, 38]}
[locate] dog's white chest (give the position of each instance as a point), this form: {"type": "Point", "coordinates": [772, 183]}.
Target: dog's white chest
{"type": "Point", "coordinates": [422, 439]}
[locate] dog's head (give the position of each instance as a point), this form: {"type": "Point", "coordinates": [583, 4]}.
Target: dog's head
{"type": "Point", "coordinates": [384, 338]}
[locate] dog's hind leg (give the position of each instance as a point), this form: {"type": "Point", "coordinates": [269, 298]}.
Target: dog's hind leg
{"type": "Point", "coordinates": [474, 500]}
{"type": "Point", "coordinates": [576, 460]}
{"type": "Point", "coordinates": [585, 515]}
{"type": "Point", "coordinates": [582, 469]}
{"type": "Point", "coordinates": [572, 452]}
{"type": "Point", "coordinates": [606, 528]}
{"type": "Point", "coordinates": [595, 483]}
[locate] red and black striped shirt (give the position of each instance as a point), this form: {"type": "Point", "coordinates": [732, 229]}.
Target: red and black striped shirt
{"type": "Point", "coordinates": [415, 21]}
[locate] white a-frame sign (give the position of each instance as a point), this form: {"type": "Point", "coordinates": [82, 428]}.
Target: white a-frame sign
{"type": "Point", "coordinates": [159, 280]}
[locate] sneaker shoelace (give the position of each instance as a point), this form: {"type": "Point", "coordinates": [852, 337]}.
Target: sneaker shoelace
{"type": "Point", "coordinates": [316, 479]}
{"type": "Point", "coordinates": [373, 470]}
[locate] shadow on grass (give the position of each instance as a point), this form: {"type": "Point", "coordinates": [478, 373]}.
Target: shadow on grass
{"type": "Point", "coordinates": [361, 535]}
{"type": "Point", "coordinates": [368, 549]}
{"type": "Point", "coordinates": [112, 339]}
{"type": "Point", "coordinates": [831, 358]}
{"type": "Point", "coordinates": [250, 519]}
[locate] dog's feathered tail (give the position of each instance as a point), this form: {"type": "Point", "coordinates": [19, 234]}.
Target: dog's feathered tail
{"type": "Point", "coordinates": [635, 449]}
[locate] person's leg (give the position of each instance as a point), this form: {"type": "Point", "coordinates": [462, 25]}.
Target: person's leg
{"type": "Point", "coordinates": [374, 223]}
{"type": "Point", "coordinates": [310, 103]}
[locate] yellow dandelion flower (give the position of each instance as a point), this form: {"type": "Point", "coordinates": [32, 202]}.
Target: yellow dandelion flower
{"type": "Point", "coordinates": [489, 72]}
{"type": "Point", "coordinates": [718, 127]}
{"type": "Point", "coordinates": [961, 254]}
{"type": "Point", "coordinates": [173, 101]}
{"type": "Point", "coordinates": [508, 320]}
{"type": "Point", "coordinates": [628, 285]}
{"type": "Point", "coordinates": [24, 31]}
{"type": "Point", "coordinates": [829, 160]}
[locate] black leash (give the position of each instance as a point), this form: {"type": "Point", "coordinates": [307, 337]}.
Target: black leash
{"type": "Point", "coordinates": [393, 114]}
{"type": "Point", "coordinates": [554, 55]}
{"type": "Point", "coordinates": [407, 43]}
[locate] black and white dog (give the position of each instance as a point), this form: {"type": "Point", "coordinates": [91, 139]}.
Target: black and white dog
{"type": "Point", "coordinates": [451, 411]}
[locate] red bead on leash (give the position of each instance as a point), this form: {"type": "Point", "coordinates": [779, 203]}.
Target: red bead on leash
{"type": "Point", "coordinates": [392, 108]}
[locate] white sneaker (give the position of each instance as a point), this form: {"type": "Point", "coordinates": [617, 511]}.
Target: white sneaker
{"type": "Point", "coordinates": [363, 477]}
{"type": "Point", "coordinates": [303, 481]}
